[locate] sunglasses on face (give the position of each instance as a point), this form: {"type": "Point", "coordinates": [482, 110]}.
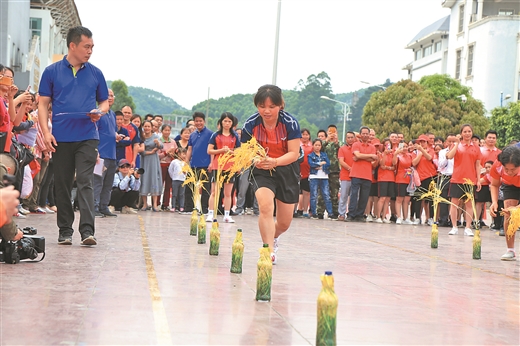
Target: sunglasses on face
{"type": "Point", "coordinates": [125, 166]}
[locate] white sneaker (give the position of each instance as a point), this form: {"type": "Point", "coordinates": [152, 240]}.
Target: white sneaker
{"type": "Point", "coordinates": [228, 219]}
{"type": "Point", "coordinates": [399, 221]}
{"type": "Point", "coordinates": [48, 211]}
{"type": "Point", "coordinates": [385, 220]}
{"type": "Point", "coordinates": [273, 258]}
{"type": "Point", "coordinates": [454, 231]}
{"type": "Point", "coordinates": [468, 232]}
{"type": "Point", "coordinates": [369, 218]}
{"type": "Point", "coordinates": [416, 222]}
{"type": "Point", "coordinates": [209, 218]}
{"type": "Point", "coordinates": [22, 210]}
{"type": "Point", "coordinates": [128, 210]}
{"type": "Point", "coordinates": [378, 220]}
{"type": "Point", "coordinates": [275, 245]}
{"type": "Point", "coordinates": [112, 208]}
{"type": "Point", "coordinates": [20, 216]}
{"type": "Point", "coordinates": [407, 222]}
{"type": "Point", "coordinates": [508, 256]}
{"type": "Point", "coordinates": [430, 222]}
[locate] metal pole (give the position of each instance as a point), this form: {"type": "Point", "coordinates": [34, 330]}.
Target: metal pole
{"type": "Point", "coordinates": [207, 107]}
{"type": "Point", "coordinates": [501, 98]}
{"type": "Point", "coordinates": [277, 38]}
{"type": "Point", "coordinates": [345, 114]}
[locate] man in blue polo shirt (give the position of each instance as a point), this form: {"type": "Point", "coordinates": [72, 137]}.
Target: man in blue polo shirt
{"type": "Point", "coordinates": [199, 160]}
{"type": "Point", "coordinates": [107, 151]}
{"type": "Point", "coordinates": [74, 87]}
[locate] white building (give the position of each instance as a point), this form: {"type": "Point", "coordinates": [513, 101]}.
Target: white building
{"type": "Point", "coordinates": [33, 35]}
{"type": "Point", "coordinates": [478, 44]}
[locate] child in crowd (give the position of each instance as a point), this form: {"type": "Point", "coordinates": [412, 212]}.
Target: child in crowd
{"type": "Point", "coordinates": [178, 177]}
{"type": "Point", "coordinates": [319, 177]}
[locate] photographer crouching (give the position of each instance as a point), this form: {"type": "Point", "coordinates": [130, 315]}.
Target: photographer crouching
{"type": "Point", "coordinates": [125, 190]}
{"type": "Point", "coordinates": [15, 245]}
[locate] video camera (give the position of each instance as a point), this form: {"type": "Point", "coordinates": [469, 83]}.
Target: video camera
{"type": "Point", "coordinates": [26, 248]}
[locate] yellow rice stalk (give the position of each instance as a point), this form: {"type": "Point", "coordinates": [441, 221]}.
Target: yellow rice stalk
{"type": "Point", "coordinates": [433, 194]}
{"type": "Point", "coordinates": [214, 239]}
{"type": "Point", "coordinates": [237, 253]}
{"type": "Point", "coordinates": [467, 187]}
{"type": "Point", "coordinates": [194, 222]}
{"type": "Point", "coordinates": [477, 245]}
{"type": "Point", "coordinates": [246, 155]}
{"type": "Point", "coordinates": [514, 220]}
{"type": "Point", "coordinates": [264, 275]}
{"type": "Point", "coordinates": [202, 230]}
{"type": "Point", "coordinates": [195, 183]}
{"type": "Point", "coordinates": [327, 311]}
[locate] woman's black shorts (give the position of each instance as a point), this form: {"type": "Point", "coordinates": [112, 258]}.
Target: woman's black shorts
{"type": "Point", "coordinates": [386, 189]}
{"type": "Point", "coordinates": [284, 181]}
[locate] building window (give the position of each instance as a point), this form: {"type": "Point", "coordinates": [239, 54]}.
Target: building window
{"type": "Point", "coordinates": [470, 59]}
{"type": "Point", "coordinates": [35, 26]}
{"type": "Point", "coordinates": [502, 12]}
{"type": "Point", "coordinates": [418, 54]}
{"type": "Point", "coordinates": [457, 66]}
{"type": "Point", "coordinates": [461, 18]}
{"type": "Point", "coordinates": [438, 46]}
{"type": "Point", "coordinates": [427, 51]}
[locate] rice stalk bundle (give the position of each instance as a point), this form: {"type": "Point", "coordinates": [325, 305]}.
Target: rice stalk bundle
{"type": "Point", "coordinates": [202, 230]}
{"type": "Point", "coordinates": [435, 236]}
{"type": "Point", "coordinates": [327, 312]}
{"type": "Point", "coordinates": [194, 222]}
{"type": "Point", "coordinates": [237, 253]}
{"type": "Point", "coordinates": [247, 155]}
{"type": "Point", "coordinates": [264, 275]}
{"type": "Point", "coordinates": [477, 245]}
{"type": "Point", "coordinates": [433, 194]}
{"type": "Point", "coordinates": [514, 220]}
{"type": "Point", "coordinates": [195, 182]}
{"type": "Point", "coordinates": [214, 239]}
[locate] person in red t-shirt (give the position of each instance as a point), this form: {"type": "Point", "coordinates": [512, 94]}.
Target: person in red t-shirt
{"type": "Point", "coordinates": [385, 181]}
{"type": "Point", "coordinates": [221, 142]}
{"type": "Point", "coordinates": [426, 169]}
{"type": "Point", "coordinates": [304, 200]}
{"type": "Point", "coordinates": [402, 159]}
{"type": "Point", "coordinates": [345, 160]}
{"type": "Point", "coordinates": [361, 174]}
{"type": "Point", "coordinates": [506, 171]}
{"type": "Point", "coordinates": [466, 165]}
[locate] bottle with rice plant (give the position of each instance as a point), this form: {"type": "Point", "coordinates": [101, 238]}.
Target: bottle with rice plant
{"type": "Point", "coordinates": [264, 274]}
{"type": "Point", "coordinates": [202, 230]}
{"type": "Point", "coordinates": [214, 239]}
{"type": "Point", "coordinates": [477, 244]}
{"type": "Point", "coordinates": [237, 253]}
{"type": "Point", "coordinates": [194, 222]}
{"type": "Point", "coordinates": [435, 236]}
{"type": "Point", "coordinates": [327, 311]}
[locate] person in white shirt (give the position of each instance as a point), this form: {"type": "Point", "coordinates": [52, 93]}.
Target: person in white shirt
{"type": "Point", "coordinates": [445, 168]}
{"type": "Point", "coordinates": [178, 177]}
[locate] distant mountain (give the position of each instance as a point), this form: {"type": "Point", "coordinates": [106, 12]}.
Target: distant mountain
{"type": "Point", "coordinates": [151, 101]}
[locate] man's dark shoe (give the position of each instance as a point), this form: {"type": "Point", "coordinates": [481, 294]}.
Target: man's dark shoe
{"type": "Point", "coordinates": [350, 219]}
{"type": "Point", "coordinates": [359, 218]}
{"type": "Point", "coordinates": [393, 218]}
{"type": "Point", "coordinates": [320, 216]}
{"type": "Point", "coordinates": [107, 213]}
{"type": "Point", "coordinates": [98, 214]}
{"type": "Point", "coordinates": [64, 241]}
{"type": "Point", "coordinates": [232, 213]}
{"type": "Point", "coordinates": [90, 240]}
{"type": "Point", "coordinates": [501, 233]}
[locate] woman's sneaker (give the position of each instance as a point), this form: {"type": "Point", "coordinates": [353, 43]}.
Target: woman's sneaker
{"type": "Point", "coordinates": [454, 231]}
{"type": "Point", "coordinates": [273, 258]}
{"type": "Point", "coordinates": [228, 219]}
{"type": "Point", "coordinates": [468, 232]}
{"type": "Point", "coordinates": [509, 256]}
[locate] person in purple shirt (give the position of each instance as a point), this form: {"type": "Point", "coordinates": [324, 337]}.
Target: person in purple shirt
{"type": "Point", "coordinates": [79, 96]}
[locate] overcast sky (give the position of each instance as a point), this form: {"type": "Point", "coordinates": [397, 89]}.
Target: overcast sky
{"type": "Point", "coordinates": [183, 47]}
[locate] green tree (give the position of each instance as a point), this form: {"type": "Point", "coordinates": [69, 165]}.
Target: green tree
{"type": "Point", "coordinates": [505, 121]}
{"type": "Point", "coordinates": [122, 97]}
{"type": "Point", "coordinates": [414, 109]}
{"type": "Point", "coordinates": [309, 104]}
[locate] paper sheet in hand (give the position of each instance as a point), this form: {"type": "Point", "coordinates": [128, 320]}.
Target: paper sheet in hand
{"type": "Point", "coordinates": [99, 167]}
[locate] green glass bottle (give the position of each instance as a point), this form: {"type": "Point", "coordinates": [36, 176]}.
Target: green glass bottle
{"type": "Point", "coordinates": [202, 230]}
{"type": "Point", "coordinates": [214, 239]}
{"type": "Point", "coordinates": [194, 222]}
{"type": "Point", "coordinates": [477, 245]}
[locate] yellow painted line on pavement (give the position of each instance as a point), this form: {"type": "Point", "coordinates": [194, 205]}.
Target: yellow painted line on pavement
{"type": "Point", "coordinates": [426, 255]}
{"type": "Point", "coordinates": [159, 313]}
